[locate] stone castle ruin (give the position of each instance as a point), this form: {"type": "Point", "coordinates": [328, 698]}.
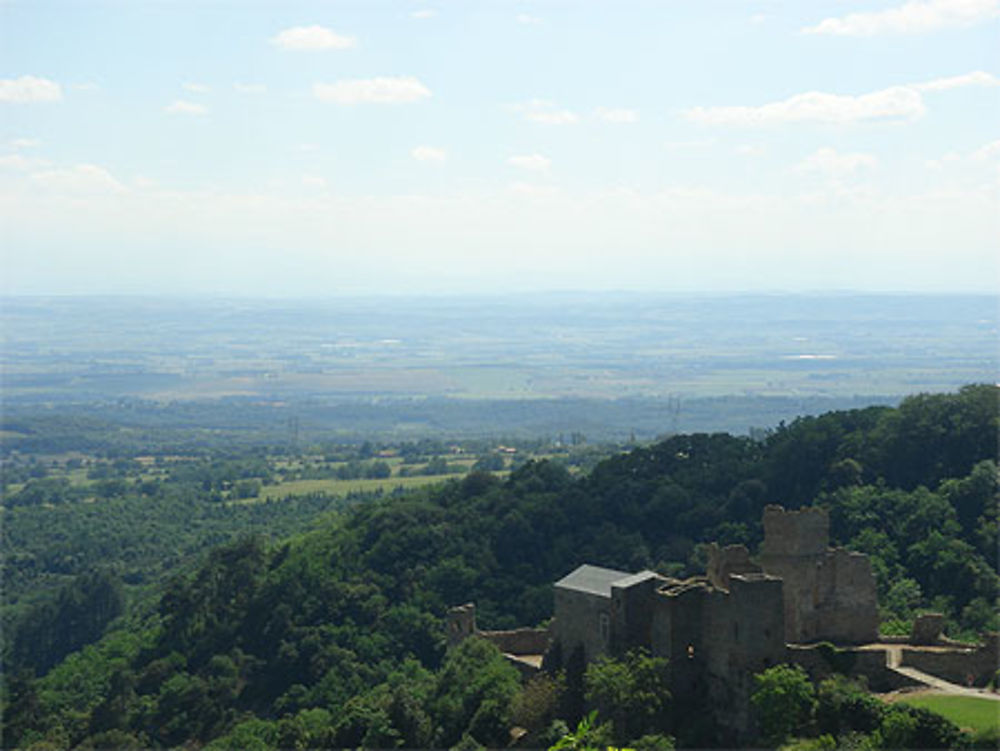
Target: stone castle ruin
{"type": "Point", "coordinates": [739, 618]}
{"type": "Point", "coordinates": [829, 593]}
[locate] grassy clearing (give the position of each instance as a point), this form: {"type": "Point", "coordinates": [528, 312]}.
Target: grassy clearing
{"type": "Point", "coordinates": [965, 711]}
{"type": "Point", "coordinates": [343, 487]}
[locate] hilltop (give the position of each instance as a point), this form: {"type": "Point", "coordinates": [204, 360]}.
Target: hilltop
{"type": "Point", "coordinates": [334, 637]}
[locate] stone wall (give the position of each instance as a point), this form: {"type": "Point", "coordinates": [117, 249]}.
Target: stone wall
{"type": "Point", "coordinates": [966, 667]}
{"type": "Point", "coordinates": [632, 604]}
{"type": "Point", "coordinates": [717, 639]}
{"type": "Point", "coordinates": [820, 662]}
{"type": "Point", "coordinates": [519, 641]}
{"type": "Point", "coordinates": [847, 610]}
{"type": "Point", "coordinates": [579, 624]}
{"type": "Point", "coordinates": [927, 628]}
{"type": "Point", "coordinates": [805, 532]}
{"type": "Point", "coordinates": [828, 594]}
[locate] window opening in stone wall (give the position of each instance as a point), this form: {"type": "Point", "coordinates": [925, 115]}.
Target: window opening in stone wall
{"type": "Point", "coordinates": [605, 626]}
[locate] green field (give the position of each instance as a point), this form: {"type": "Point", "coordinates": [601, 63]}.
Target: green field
{"type": "Point", "coordinates": [965, 711]}
{"type": "Point", "coordinates": [343, 487]}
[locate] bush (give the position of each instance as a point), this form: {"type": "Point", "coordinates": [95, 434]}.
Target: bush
{"type": "Point", "coordinates": [784, 700]}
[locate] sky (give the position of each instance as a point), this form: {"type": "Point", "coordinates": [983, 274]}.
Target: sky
{"type": "Point", "coordinates": [248, 147]}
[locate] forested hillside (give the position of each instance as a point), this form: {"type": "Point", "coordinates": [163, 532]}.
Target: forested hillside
{"type": "Point", "coordinates": [334, 637]}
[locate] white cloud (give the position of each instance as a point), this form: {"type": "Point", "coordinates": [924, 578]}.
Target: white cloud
{"type": "Point", "coordinates": [830, 162]}
{"type": "Point", "coordinates": [758, 18]}
{"type": "Point", "coordinates": [423, 13]}
{"type": "Point", "coordinates": [83, 178]}
{"type": "Point", "coordinates": [915, 17]}
{"type": "Point", "coordinates": [29, 89]}
{"type": "Point", "coordinates": [429, 154]}
{"type": "Point", "coordinates": [698, 143]}
{"type": "Point", "coordinates": [545, 112]}
{"type": "Point", "coordinates": [196, 88]}
{"type": "Point", "coordinates": [249, 88]}
{"type": "Point", "coordinates": [976, 78]}
{"type": "Point", "coordinates": [746, 149]}
{"type": "Point", "coordinates": [989, 151]}
{"type": "Point", "coordinates": [894, 103]}
{"type": "Point", "coordinates": [525, 20]}
{"type": "Point", "coordinates": [24, 143]}
{"type": "Point", "coordinates": [617, 115]}
{"type": "Point", "coordinates": [180, 106]}
{"type": "Point", "coordinates": [314, 181]}
{"type": "Point", "coordinates": [531, 162]}
{"type": "Point", "coordinates": [986, 153]}
{"type": "Point", "coordinates": [533, 191]}
{"type": "Point", "coordinates": [17, 162]}
{"type": "Point", "coordinates": [312, 38]}
{"type": "Point", "coordinates": [553, 117]}
{"type": "Point", "coordinates": [383, 90]}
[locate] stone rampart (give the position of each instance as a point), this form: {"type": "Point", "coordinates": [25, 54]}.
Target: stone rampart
{"type": "Point", "coordinates": [966, 667]}
{"type": "Point", "coordinates": [519, 641]}
{"type": "Point", "coordinates": [822, 660]}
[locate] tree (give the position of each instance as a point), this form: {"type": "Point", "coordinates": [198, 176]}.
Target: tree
{"type": "Point", "coordinates": [632, 692]}
{"type": "Point", "coordinates": [474, 691]}
{"type": "Point", "coordinates": [784, 700]}
{"type": "Point", "coordinates": [378, 470]}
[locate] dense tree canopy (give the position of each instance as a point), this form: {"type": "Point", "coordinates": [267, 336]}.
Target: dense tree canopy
{"type": "Point", "coordinates": [333, 637]}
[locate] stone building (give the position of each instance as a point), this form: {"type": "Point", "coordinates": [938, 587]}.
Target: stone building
{"type": "Point", "coordinates": [716, 630]}
{"type": "Point", "coordinates": [719, 629]}
{"type": "Point", "coordinates": [829, 594]}
{"type": "Point", "coordinates": [715, 635]}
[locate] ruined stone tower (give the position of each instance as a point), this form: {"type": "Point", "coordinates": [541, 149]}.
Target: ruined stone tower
{"type": "Point", "coordinates": [461, 623]}
{"type": "Point", "coordinates": [829, 593]}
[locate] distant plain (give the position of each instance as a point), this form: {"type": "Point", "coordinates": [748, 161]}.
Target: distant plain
{"type": "Point", "coordinates": [596, 362]}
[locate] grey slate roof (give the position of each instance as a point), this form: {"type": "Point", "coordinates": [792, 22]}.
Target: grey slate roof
{"type": "Point", "coordinates": [633, 579]}
{"type": "Point", "coordinates": [592, 579]}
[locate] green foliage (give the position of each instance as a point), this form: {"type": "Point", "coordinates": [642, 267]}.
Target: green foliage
{"type": "Point", "coordinates": [784, 701]}
{"type": "Point", "coordinates": [249, 735]}
{"type": "Point", "coordinates": [77, 616]}
{"type": "Point", "coordinates": [333, 637]}
{"type": "Point", "coordinates": [535, 706]}
{"type": "Point", "coordinates": [844, 706]}
{"type": "Point", "coordinates": [588, 736]}
{"type": "Point", "coordinates": [914, 727]}
{"type": "Point", "coordinates": [653, 742]}
{"type": "Point", "coordinates": [839, 660]}
{"type": "Point", "coordinates": [473, 694]}
{"type": "Point", "coordinates": [822, 743]}
{"type": "Point", "coordinates": [631, 692]}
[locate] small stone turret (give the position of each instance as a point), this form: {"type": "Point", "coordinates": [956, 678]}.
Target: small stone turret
{"type": "Point", "coordinates": [461, 623]}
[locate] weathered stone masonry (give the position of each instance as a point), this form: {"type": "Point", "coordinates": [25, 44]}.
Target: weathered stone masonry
{"type": "Point", "coordinates": [740, 618]}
